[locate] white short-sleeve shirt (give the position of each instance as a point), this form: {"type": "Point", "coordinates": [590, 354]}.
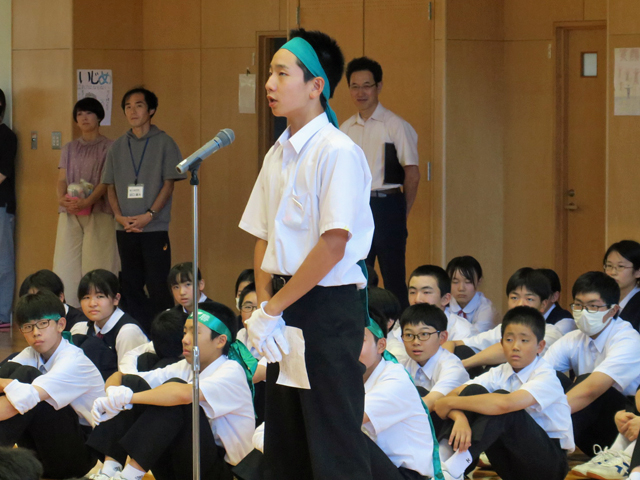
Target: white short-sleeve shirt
{"type": "Point", "coordinates": [459, 328]}
{"type": "Point", "coordinates": [615, 352]}
{"type": "Point", "coordinates": [227, 402]}
{"type": "Point", "coordinates": [398, 423]}
{"type": "Point", "coordinates": [479, 311]}
{"type": "Point", "coordinates": [442, 373]}
{"type": "Point", "coordinates": [69, 377]}
{"type": "Point", "coordinates": [382, 127]}
{"type": "Point", "coordinates": [565, 325]}
{"type": "Point", "coordinates": [551, 410]}
{"type": "Point", "coordinates": [485, 339]}
{"type": "Point", "coordinates": [314, 181]}
{"type": "Point", "coordinates": [128, 364]}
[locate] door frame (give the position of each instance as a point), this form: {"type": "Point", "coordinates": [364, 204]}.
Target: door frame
{"type": "Point", "coordinates": [560, 47]}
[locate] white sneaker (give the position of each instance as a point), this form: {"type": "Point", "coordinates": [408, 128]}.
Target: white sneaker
{"type": "Point", "coordinates": [118, 476]}
{"type": "Point", "coordinates": [448, 476]}
{"type": "Point", "coordinates": [614, 468]}
{"type": "Point", "coordinates": [601, 456]}
{"type": "Point", "coordinates": [483, 461]}
{"type": "Point", "coordinates": [98, 476]}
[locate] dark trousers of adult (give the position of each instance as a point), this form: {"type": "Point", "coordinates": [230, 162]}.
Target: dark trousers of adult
{"type": "Point", "coordinates": [146, 261]}
{"type": "Point", "coordinates": [316, 434]}
{"type": "Point", "coordinates": [517, 447]}
{"type": "Point", "coordinates": [159, 439]}
{"type": "Point", "coordinates": [594, 424]}
{"type": "Point", "coordinates": [55, 435]}
{"type": "Point", "coordinates": [390, 243]}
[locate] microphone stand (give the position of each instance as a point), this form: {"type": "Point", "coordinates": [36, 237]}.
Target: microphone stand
{"type": "Point", "coordinates": [195, 181]}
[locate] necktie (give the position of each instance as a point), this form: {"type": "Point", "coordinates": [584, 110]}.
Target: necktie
{"type": "Point", "coordinates": [462, 314]}
{"type": "Point", "coordinates": [99, 334]}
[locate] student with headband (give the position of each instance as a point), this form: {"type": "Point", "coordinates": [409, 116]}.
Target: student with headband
{"type": "Point", "coordinates": [310, 212]}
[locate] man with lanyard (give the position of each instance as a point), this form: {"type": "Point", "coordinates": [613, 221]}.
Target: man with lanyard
{"type": "Point", "coordinates": [391, 147]}
{"type": "Point", "coordinates": [140, 171]}
{"type": "Point", "coordinates": [309, 210]}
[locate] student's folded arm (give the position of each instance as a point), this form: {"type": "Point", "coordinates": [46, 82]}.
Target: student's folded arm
{"type": "Point", "coordinates": [494, 403]}
{"type": "Point", "coordinates": [321, 259]}
{"type": "Point", "coordinates": [638, 400]}
{"type": "Point", "coordinates": [584, 393]}
{"type": "Point", "coordinates": [451, 345]}
{"type": "Point", "coordinates": [264, 289]}
{"type": "Point", "coordinates": [114, 380]}
{"type": "Point", "coordinates": [431, 398]}
{"type": "Point", "coordinates": [167, 395]}
{"type": "Point", "coordinates": [494, 355]}
{"type": "Point", "coordinates": [6, 409]}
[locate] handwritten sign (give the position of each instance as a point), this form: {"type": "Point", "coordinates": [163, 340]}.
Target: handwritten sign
{"type": "Point", "coordinates": [97, 84]}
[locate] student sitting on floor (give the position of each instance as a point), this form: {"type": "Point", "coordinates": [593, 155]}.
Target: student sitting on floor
{"type": "Point", "coordinates": [147, 417]}
{"type": "Point", "coordinates": [603, 354]}
{"type": "Point", "coordinates": [622, 263]}
{"type": "Point", "coordinates": [48, 391]}
{"type": "Point", "coordinates": [555, 314]}
{"type": "Point", "coordinates": [527, 287]}
{"type": "Point", "coordinates": [431, 284]}
{"type": "Point", "coordinates": [386, 302]}
{"type": "Point", "coordinates": [517, 412]}
{"type": "Point", "coordinates": [47, 280]}
{"type": "Point", "coordinates": [109, 333]}
{"type": "Point", "coordinates": [466, 300]}
{"type": "Point", "coordinates": [180, 281]}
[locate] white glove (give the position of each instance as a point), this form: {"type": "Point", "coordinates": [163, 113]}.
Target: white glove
{"type": "Point", "coordinates": [102, 411]}
{"type": "Point", "coordinates": [120, 397]}
{"type": "Point", "coordinates": [266, 334]}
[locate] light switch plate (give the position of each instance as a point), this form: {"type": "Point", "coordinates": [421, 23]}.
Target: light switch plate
{"type": "Point", "coordinates": [56, 140]}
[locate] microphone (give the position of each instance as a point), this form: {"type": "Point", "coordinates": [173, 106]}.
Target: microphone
{"type": "Point", "coordinates": [222, 139]}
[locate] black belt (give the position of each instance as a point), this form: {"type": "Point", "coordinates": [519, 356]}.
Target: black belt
{"type": "Point", "coordinates": [385, 193]}
{"type": "Point", "coordinates": [279, 281]}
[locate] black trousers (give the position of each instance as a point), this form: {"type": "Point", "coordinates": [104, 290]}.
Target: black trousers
{"type": "Point", "coordinates": [463, 352]}
{"type": "Point", "coordinates": [146, 261]}
{"type": "Point", "coordinates": [315, 434]}
{"type": "Point", "coordinates": [159, 439]}
{"type": "Point", "coordinates": [55, 435]}
{"type": "Point", "coordinates": [390, 243]}
{"type": "Point", "coordinates": [518, 448]}
{"type": "Point", "coordinates": [152, 361]}
{"type": "Point", "coordinates": [595, 423]}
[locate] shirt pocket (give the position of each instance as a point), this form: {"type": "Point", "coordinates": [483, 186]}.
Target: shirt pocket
{"type": "Point", "coordinates": [297, 212]}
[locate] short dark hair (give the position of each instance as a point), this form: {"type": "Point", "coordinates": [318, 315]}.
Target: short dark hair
{"type": "Point", "coordinates": [532, 280]}
{"type": "Point", "coordinates": [554, 279]}
{"type": "Point", "coordinates": [424, 314]}
{"type": "Point", "coordinates": [34, 306]}
{"type": "Point", "coordinates": [88, 104]}
{"type": "Point", "coordinates": [246, 275]}
{"type": "Point", "coordinates": [629, 250]}
{"type": "Point", "coordinates": [444, 282]}
{"type": "Point", "coordinates": [329, 54]}
{"type": "Point", "coordinates": [364, 63]}
{"type": "Point", "coordinates": [167, 330]}
{"type": "Point", "coordinates": [377, 316]}
{"type": "Point", "coordinates": [246, 291]}
{"type": "Point", "coordinates": [181, 273]}
{"type": "Point", "coordinates": [372, 280]}
{"type": "Point", "coordinates": [527, 316]}
{"type": "Point", "coordinates": [385, 302]}
{"type": "Point", "coordinates": [19, 464]}
{"type": "Point", "coordinates": [468, 266]}
{"type": "Point", "coordinates": [100, 281]}
{"type": "Point", "coordinates": [150, 98]}
{"type": "Point", "coordinates": [42, 280]}
{"type": "Point", "coordinates": [226, 316]}
{"type": "Point", "coordinates": [3, 104]}
{"type": "Point", "coordinates": [600, 283]}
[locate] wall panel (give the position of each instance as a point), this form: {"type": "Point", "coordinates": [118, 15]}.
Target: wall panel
{"type": "Point", "coordinates": [595, 9]}
{"type": "Point", "coordinates": [624, 17]}
{"type": "Point", "coordinates": [45, 24]}
{"type": "Point", "coordinates": [475, 20]}
{"type": "Point", "coordinates": [171, 24]}
{"type": "Point", "coordinates": [107, 25]}
{"type": "Point", "coordinates": [527, 20]}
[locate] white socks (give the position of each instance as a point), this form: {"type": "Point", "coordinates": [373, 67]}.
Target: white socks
{"type": "Point", "coordinates": [629, 450]}
{"type": "Point", "coordinates": [458, 463]}
{"type": "Point", "coordinates": [131, 473]}
{"type": "Point", "coordinates": [620, 444]}
{"type": "Point", "coordinates": [110, 468]}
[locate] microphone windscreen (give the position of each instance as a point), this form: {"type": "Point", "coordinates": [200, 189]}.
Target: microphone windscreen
{"type": "Point", "coordinates": [226, 137]}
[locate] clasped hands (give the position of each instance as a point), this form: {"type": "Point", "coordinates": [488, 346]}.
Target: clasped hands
{"type": "Point", "coordinates": [73, 205]}
{"type": "Point", "coordinates": [117, 399]}
{"type": "Point", "coordinates": [134, 224]}
{"type": "Point", "coordinates": [266, 334]}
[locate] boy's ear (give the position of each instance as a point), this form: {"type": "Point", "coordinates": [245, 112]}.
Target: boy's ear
{"type": "Point", "coordinates": [541, 346]}
{"type": "Point", "coordinates": [116, 299]}
{"type": "Point", "coordinates": [221, 341]}
{"type": "Point", "coordinates": [444, 336]}
{"type": "Point", "coordinates": [445, 299]}
{"type": "Point", "coordinates": [318, 87]}
{"type": "Point", "coordinates": [544, 305]}
{"type": "Point", "coordinates": [62, 322]}
{"type": "Point", "coordinates": [612, 313]}
{"type": "Point", "coordinates": [382, 345]}
{"type": "Point", "coordinates": [61, 297]}
{"type": "Point", "coordinates": [554, 298]}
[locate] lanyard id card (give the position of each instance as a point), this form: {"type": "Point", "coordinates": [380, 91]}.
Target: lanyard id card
{"type": "Point", "coordinates": [135, 191]}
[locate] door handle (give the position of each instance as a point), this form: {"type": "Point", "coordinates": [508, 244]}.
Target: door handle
{"type": "Point", "coordinates": [571, 206]}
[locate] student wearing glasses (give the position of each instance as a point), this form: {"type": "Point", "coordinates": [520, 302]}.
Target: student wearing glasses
{"type": "Point", "coordinates": [391, 147]}
{"type": "Point", "coordinates": [622, 263]}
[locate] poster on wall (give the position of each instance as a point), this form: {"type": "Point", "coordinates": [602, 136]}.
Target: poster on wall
{"type": "Point", "coordinates": [99, 85]}
{"type": "Point", "coordinates": [626, 81]}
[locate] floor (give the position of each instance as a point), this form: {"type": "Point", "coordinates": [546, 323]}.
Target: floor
{"type": "Point", "coordinates": [11, 341]}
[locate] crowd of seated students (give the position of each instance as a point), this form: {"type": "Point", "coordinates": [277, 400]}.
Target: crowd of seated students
{"type": "Point", "coordinates": [444, 383]}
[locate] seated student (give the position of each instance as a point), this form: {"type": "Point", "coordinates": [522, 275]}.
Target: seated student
{"type": "Point", "coordinates": [527, 287]}
{"type": "Point", "coordinates": [397, 427]}
{"type": "Point", "coordinates": [622, 263]}
{"type": "Point", "coordinates": [603, 354]}
{"type": "Point", "coordinates": [424, 330]}
{"type": "Point", "coordinates": [466, 274]}
{"type": "Point", "coordinates": [147, 417]}
{"type": "Point", "coordinates": [47, 280]}
{"type": "Point", "coordinates": [180, 281]}
{"type": "Point", "coordinates": [109, 333]}
{"type": "Point", "coordinates": [517, 412]}
{"type": "Point", "coordinates": [245, 278]}
{"type": "Point", "coordinates": [431, 284]}
{"type": "Point", "coordinates": [48, 391]}
{"type": "Point", "coordinates": [386, 302]}
{"type": "Point", "coordinates": [555, 314]}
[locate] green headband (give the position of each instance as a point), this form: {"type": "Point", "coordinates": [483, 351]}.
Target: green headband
{"type": "Point", "coordinates": [237, 350]}
{"type": "Point", "coordinates": [309, 58]}
{"type": "Point", "coordinates": [52, 316]}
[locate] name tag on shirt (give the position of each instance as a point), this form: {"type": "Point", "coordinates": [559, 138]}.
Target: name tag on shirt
{"type": "Point", "coordinates": [135, 191]}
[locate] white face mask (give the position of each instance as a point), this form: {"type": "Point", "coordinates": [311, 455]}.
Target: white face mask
{"type": "Point", "coordinates": [590, 323]}
{"type": "Point", "coordinates": [238, 303]}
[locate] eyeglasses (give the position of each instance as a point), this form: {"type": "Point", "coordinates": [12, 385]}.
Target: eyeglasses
{"type": "Point", "coordinates": [248, 308]}
{"type": "Point", "coordinates": [422, 336]}
{"type": "Point", "coordinates": [40, 325]}
{"type": "Point", "coordinates": [366, 87]}
{"type": "Point", "coordinates": [610, 267]}
{"type": "Point", "coordinates": [576, 307]}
